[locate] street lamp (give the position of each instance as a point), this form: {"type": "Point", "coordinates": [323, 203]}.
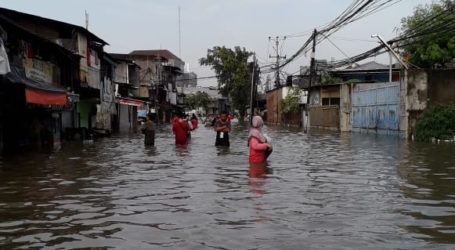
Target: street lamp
{"type": "Point", "coordinates": [391, 52]}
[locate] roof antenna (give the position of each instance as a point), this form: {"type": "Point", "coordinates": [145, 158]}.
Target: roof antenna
{"type": "Point", "coordinates": [86, 20]}
{"type": "Point", "coordinates": [180, 35]}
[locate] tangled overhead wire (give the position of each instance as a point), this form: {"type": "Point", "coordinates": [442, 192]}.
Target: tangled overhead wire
{"type": "Point", "coordinates": [358, 9]}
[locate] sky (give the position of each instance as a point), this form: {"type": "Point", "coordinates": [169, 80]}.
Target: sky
{"type": "Point", "coordinates": [154, 24]}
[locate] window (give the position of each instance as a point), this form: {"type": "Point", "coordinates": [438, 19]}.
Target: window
{"type": "Point", "coordinates": [330, 101]}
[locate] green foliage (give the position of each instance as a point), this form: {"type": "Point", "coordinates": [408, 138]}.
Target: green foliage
{"type": "Point", "coordinates": [198, 100]}
{"type": "Point", "coordinates": [436, 49]}
{"type": "Point", "coordinates": [353, 81]}
{"type": "Point", "coordinates": [291, 103]}
{"type": "Point", "coordinates": [327, 79]}
{"type": "Point", "coordinates": [438, 121]}
{"type": "Point", "coordinates": [233, 73]}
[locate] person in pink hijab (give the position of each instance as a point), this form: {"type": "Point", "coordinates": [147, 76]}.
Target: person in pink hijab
{"type": "Point", "coordinates": [259, 148]}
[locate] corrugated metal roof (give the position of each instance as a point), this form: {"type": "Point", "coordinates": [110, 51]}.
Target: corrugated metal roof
{"type": "Point", "coordinates": [368, 66]}
{"type": "Point", "coordinates": [58, 24]}
{"type": "Point", "coordinates": [164, 53]}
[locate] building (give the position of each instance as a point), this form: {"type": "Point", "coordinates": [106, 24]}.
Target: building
{"type": "Point", "coordinates": [217, 104]}
{"type": "Point", "coordinates": [87, 82]}
{"type": "Point", "coordinates": [368, 72]}
{"type": "Point", "coordinates": [129, 99]}
{"type": "Point", "coordinates": [158, 77]}
{"type": "Point", "coordinates": [187, 80]}
{"type": "Point", "coordinates": [37, 88]}
{"type": "Point", "coordinates": [274, 112]}
{"type": "Point", "coordinates": [106, 110]}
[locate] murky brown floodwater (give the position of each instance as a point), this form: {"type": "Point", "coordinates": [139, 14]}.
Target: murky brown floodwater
{"type": "Point", "coordinates": [326, 191]}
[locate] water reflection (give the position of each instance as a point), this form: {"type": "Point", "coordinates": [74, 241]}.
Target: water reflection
{"type": "Point", "coordinates": [327, 191]}
{"type": "Point", "coordinates": [428, 172]}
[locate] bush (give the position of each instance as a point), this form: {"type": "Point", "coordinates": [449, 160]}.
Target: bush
{"type": "Point", "coordinates": [437, 121]}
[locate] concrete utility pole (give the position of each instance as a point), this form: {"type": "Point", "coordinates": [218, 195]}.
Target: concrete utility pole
{"type": "Point", "coordinates": [277, 40]}
{"type": "Point", "coordinates": [310, 82]}
{"type": "Point", "coordinates": [391, 52]}
{"type": "Point", "coordinates": [313, 61]}
{"type": "Point", "coordinates": [253, 88]}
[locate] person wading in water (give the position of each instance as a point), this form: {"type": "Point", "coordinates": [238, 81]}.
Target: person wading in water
{"type": "Point", "coordinates": [260, 149]}
{"type": "Point", "coordinates": [148, 129]}
{"type": "Point", "coordinates": [222, 128]}
{"type": "Point", "coordinates": [194, 121]}
{"type": "Point", "coordinates": [181, 129]}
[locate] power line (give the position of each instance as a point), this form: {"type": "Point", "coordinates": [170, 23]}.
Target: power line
{"type": "Point", "coordinates": [342, 52]}
{"type": "Point", "coordinates": [355, 11]}
{"type": "Point", "coordinates": [426, 26]}
{"type": "Point", "coordinates": [353, 39]}
{"type": "Point", "coordinates": [197, 78]}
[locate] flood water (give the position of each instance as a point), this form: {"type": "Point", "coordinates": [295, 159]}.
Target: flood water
{"type": "Point", "coordinates": [324, 191]}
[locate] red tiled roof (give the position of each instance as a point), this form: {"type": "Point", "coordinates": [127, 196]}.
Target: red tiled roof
{"type": "Point", "coordinates": [164, 53]}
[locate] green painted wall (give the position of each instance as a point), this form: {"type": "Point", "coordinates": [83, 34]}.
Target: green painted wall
{"type": "Point", "coordinates": [84, 110]}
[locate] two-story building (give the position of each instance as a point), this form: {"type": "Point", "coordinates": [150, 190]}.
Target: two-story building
{"type": "Point", "coordinates": [158, 75]}
{"type": "Point", "coordinates": [37, 89]}
{"type": "Point", "coordinates": [82, 43]}
{"type": "Point", "coordinates": [129, 99]}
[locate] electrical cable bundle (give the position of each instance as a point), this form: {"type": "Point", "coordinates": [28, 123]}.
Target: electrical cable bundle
{"type": "Point", "coordinates": [441, 25]}
{"type": "Point", "coordinates": [356, 10]}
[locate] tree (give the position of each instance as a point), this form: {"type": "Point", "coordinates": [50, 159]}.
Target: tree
{"type": "Point", "coordinates": [291, 103]}
{"type": "Point", "coordinates": [198, 100]}
{"type": "Point", "coordinates": [436, 49]}
{"type": "Point", "coordinates": [436, 122]}
{"type": "Point", "coordinates": [233, 73]}
{"type": "Point", "coordinates": [327, 79]}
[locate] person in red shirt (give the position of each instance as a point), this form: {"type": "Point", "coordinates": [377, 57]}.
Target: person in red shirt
{"type": "Point", "coordinates": [194, 121]}
{"type": "Point", "coordinates": [174, 118]}
{"type": "Point", "coordinates": [181, 129]}
{"type": "Point", "coordinates": [259, 149]}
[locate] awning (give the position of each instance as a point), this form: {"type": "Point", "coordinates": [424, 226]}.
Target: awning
{"type": "Point", "coordinates": [37, 92]}
{"type": "Point", "coordinates": [43, 97]}
{"type": "Point", "coordinates": [131, 102]}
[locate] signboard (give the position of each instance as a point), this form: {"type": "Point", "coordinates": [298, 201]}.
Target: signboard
{"type": "Point", "coordinates": [172, 98]}
{"type": "Point", "coordinates": [130, 102]}
{"type": "Point", "coordinates": [38, 70]}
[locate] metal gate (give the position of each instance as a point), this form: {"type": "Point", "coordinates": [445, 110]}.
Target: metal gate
{"type": "Point", "coordinates": [376, 109]}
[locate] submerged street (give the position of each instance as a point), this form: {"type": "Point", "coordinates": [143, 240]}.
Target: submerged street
{"type": "Point", "coordinates": [324, 191]}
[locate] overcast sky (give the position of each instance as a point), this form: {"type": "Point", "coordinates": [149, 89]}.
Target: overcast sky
{"type": "Point", "coordinates": [153, 24]}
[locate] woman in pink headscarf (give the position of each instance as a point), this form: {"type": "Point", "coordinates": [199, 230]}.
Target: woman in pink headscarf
{"type": "Point", "coordinates": [259, 148]}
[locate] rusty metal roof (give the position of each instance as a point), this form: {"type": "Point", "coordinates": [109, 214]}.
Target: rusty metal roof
{"type": "Point", "coordinates": [163, 53]}
{"type": "Point", "coordinates": [58, 25]}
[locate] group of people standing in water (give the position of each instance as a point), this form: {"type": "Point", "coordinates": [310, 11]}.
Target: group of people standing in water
{"type": "Point", "coordinates": [259, 146]}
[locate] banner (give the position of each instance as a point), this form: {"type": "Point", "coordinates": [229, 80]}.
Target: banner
{"type": "Point", "coordinates": [37, 70]}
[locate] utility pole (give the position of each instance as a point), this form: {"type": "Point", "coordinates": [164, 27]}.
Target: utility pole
{"type": "Point", "coordinates": [313, 61]}
{"type": "Point", "coordinates": [180, 36]}
{"type": "Point", "coordinates": [252, 91]}
{"type": "Point", "coordinates": [391, 53]}
{"type": "Point", "coordinates": [310, 82]}
{"type": "Point", "coordinates": [277, 40]}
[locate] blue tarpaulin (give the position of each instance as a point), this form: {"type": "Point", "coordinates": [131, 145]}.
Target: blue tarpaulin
{"type": "Point", "coordinates": [142, 113]}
